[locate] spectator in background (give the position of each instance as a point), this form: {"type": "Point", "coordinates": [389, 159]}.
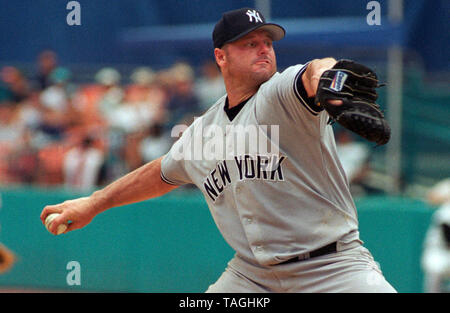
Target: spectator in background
{"type": "Point", "coordinates": [23, 160]}
{"type": "Point", "coordinates": [56, 120]}
{"type": "Point", "coordinates": [10, 129]}
{"type": "Point", "coordinates": [86, 101]}
{"type": "Point", "coordinates": [436, 253]}
{"type": "Point", "coordinates": [5, 93]}
{"type": "Point", "coordinates": [82, 164]}
{"type": "Point", "coordinates": [141, 105]}
{"type": "Point", "coordinates": [16, 83]}
{"type": "Point", "coordinates": [113, 94]}
{"type": "Point", "coordinates": [141, 79]}
{"type": "Point", "coordinates": [56, 104]}
{"type": "Point", "coordinates": [210, 86]}
{"type": "Point", "coordinates": [94, 103]}
{"type": "Point", "coordinates": [10, 134]}
{"type": "Point", "coordinates": [97, 105]}
{"type": "Point", "coordinates": [24, 157]}
{"type": "Point", "coordinates": [46, 63]}
{"type": "Point", "coordinates": [155, 143]}
{"type": "Point", "coordinates": [144, 105]}
{"type": "Point", "coordinates": [183, 104]}
{"type": "Point", "coordinates": [354, 157]}
{"type": "Point", "coordinates": [50, 164]}
{"type": "Point", "coordinates": [30, 112]}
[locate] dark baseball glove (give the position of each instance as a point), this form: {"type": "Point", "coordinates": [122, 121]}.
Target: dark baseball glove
{"type": "Point", "coordinates": [355, 85]}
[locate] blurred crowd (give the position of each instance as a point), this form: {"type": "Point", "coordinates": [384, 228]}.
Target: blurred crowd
{"type": "Point", "coordinates": [54, 131]}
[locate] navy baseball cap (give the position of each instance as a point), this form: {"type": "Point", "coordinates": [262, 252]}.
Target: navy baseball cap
{"type": "Point", "coordinates": [238, 23]}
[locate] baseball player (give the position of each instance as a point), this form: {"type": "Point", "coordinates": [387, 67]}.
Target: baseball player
{"type": "Point", "coordinates": [282, 204]}
{"type": "Point", "coordinates": [436, 252]}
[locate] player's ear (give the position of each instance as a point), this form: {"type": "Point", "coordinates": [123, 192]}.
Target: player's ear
{"type": "Point", "coordinates": [220, 56]}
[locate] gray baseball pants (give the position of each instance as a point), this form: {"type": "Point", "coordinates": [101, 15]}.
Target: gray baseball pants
{"type": "Point", "coordinates": [351, 270]}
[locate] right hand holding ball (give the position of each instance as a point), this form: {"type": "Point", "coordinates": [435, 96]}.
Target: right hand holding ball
{"type": "Point", "coordinates": [48, 221]}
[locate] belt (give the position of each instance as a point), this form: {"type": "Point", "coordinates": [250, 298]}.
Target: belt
{"type": "Point", "coordinates": [330, 248]}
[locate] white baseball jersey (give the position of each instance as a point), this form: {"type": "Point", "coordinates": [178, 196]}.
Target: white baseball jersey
{"type": "Point", "coordinates": [268, 206]}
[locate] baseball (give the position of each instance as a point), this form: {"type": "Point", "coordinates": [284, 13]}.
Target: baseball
{"type": "Point", "coordinates": [61, 228]}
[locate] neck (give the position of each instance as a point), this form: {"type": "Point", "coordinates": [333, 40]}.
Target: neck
{"type": "Point", "coordinates": [234, 100]}
{"type": "Point", "coordinates": [238, 93]}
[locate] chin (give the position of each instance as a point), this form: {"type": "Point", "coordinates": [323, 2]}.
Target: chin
{"type": "Point", "coordinates": [263, 75]}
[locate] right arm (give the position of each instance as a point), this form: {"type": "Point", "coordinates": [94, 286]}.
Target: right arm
{"type": "Point", "coordinates": [139, 185]}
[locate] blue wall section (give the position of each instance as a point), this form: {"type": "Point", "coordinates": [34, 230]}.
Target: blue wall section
{"type": "Point", "coordinates": [27, 27]}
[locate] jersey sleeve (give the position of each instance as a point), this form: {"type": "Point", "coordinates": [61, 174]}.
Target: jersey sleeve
{"type": "Point", "coordinates": [283, 101]}
{"type": "Point", "coordinates": [173, 164]}
{"type": "Point", "coordinates": [288, 88]}
{"type": "Point", "coordinates": [302, 96]}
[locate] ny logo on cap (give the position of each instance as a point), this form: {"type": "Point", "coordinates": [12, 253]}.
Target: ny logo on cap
{"type": "Point", "coordinates": [252, 14]}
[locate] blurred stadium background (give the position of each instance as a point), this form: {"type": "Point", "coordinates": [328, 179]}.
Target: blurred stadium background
{"type": "Point", "coordinates": [82, 105]}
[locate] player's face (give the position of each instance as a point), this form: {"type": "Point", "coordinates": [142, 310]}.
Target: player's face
{"type": "Point", "coordinates": [252, 57]}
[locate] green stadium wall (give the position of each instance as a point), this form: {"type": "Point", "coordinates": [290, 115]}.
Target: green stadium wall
{"type": "Point", "coordinates": [171, 244]}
